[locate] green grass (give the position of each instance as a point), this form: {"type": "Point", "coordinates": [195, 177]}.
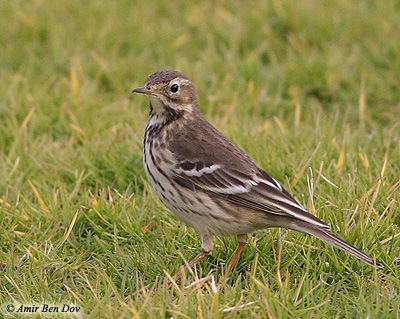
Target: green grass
{"type": "Point", "coordinates": [310, 89]}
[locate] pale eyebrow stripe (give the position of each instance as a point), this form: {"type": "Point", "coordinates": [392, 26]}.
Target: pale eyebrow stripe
{"type": "Point", "coordinates": [181, 81]}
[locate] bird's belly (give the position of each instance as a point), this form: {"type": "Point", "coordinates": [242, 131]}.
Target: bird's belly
{"type": "Point", "coordinates": [200, 212]}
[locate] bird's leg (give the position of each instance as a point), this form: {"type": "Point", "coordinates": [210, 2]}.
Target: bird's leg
{"type": "Point", "coordinates": [189, 265]}
{"type": "Point", "coordinates": [242, 242]}
{"type": "Point", "coordinates": [207, 244]}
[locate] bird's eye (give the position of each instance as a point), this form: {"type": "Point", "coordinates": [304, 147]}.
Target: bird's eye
{"type": "Point", "coordinates": [174, 88]}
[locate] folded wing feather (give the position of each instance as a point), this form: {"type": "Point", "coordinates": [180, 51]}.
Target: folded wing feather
{"type": "Point", "coordinates": [257, 191]}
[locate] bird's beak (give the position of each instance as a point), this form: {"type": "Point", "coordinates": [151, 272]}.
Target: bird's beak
{"type": "Point", "coordinates": [144, 90]}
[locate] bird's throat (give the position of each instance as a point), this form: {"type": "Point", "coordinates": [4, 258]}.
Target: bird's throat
{"type": "Point", "coordinates": [163, 114]}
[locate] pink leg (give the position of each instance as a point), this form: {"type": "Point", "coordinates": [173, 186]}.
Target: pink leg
{"type": "Point", "coordinates": [193, 262]}
{"type": "Point", "coordinates": [242, 243]}
{"type": "Point", "coordinates": [207, 244]}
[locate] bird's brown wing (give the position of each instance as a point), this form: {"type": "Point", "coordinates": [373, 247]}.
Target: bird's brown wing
{"type": "Point", "coordinates": [206, 160]}
{"type": "Point", "coordinates": [257, 191]}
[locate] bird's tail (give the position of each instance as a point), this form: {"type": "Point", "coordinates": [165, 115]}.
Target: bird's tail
{"type": "Point", "coordinates": [326, 236]}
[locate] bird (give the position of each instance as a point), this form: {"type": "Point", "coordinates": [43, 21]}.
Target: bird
{"type": "Point", "coordinates": [209, 182]}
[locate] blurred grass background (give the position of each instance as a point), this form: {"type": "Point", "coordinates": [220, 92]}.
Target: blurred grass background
{"type": "Point", "coordinates": [310, 89]}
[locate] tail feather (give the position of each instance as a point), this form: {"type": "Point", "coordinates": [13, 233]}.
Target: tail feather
{"type": "Point", "coordinates": [335, 241]}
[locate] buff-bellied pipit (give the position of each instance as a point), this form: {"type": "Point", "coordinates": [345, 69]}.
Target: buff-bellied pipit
{"type": "Point", "coordinates": [207, 181]}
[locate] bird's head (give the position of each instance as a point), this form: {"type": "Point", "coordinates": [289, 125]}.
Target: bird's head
{"type": "Point", "coordinates": [170, 93]}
